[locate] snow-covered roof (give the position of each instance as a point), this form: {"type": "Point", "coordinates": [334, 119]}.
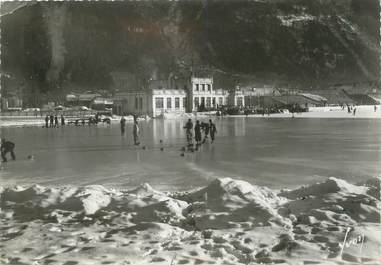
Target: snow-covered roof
{"type": "Point", "coordinates": [314, 97]}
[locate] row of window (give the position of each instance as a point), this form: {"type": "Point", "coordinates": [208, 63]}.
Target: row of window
{"type": "Point", "coordinates": [201, 87]}
{"type": "Point", "coordinates": [139, 103]}
{"type": "Point", "coordinates": [208, 101]}
{"type": "Point", "coordinates": [159, 103]}
{"type": "Point", "coordinates": [240, 101]}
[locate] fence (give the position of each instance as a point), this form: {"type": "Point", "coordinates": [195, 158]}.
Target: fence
{"type": "Point", "coordinates": [39, 114]}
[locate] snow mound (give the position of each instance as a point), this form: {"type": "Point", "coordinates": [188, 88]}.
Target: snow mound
{"type": "Point", "coordinates": [144, 190]}
{"type": "Point", "coordinates": [227, 222]}
{"type": "Point", "coordinates": [169, 211]}
{"type": "Point", "coordinates": [333, 201]}
{"type": "Point", "coordinates": [331, 185]}
{"type": "Point", "coordinates": [226, 193]}
{"type": "Point", "coordinates": [156, 230]}
{"type": "Point", "coordinates": [37, 200]}
{"type": "Point", "coordinates": [226, 202]}
{"type": "Point", "coordinates": [142, 196]}
{"type": "Point", "coordinates": [374, 185]}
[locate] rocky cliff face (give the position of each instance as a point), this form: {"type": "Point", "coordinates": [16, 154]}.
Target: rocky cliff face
{"type": "Point", "coordinates": [55, 46]}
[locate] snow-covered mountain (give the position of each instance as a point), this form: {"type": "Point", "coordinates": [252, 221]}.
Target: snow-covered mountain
{"type": "Point", "coordinates": [52, 46]}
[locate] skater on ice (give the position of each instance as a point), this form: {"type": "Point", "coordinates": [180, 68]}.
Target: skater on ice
{"type": "Point", "coordinates": [213, 130]}
{"type": "Point", "coordinates": [188, 129]}
{"type": "Point", "coordinates": [197, 133]}
{"type": "Point", "coordinates": [47, 121]}
{"type": "Point", "coordinates": [136, 132]}
{"type": "Point", "coordinates": [122, 125]}
{"type": "Point", "coordinates": [55, 121]}
{"type": "Point", "coordinates": [51, 120]}
{"type": "Point", "coordinates": [7, 147]}
{"type": "Point", "coordinates": [62, 120]}
{"type": "Point", "coordinates": [205, 127]}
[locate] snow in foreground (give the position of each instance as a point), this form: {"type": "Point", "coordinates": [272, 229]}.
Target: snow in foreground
{"type": "Point", "coordinates": [227, 222]}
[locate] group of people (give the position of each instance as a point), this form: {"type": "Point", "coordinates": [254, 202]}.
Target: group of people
{"type": "Point", "coordinates": [350, 109]}
{"type": "Point", "coordinates": [207, 128]}
{"type": "Point", "coordinates": [135, 130]}
{"type": "Point", "coordinates": [52, 121]}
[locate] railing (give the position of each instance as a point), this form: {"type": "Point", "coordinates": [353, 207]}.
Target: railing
{"type": "Point", "coordinates": [39, 114]}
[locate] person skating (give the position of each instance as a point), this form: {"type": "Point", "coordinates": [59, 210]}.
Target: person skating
{"type": "Point", "coordinates": [136, 132]}
{"type": "Point", "coordinates": [47, 121]}
{"type": "Point", "coordinates": [213, 130]}
{"type": "Point", "coordinates": [51, 120]}
{"type": "Point", "coordinates": [56, 121]}
{"type": "Point", "coordinates": [205, 127]}
{"type": "Point", "coordinates": [7, 147]}
{"type": "Point", "coordinates": [354, 110]}
{"type": "Point", "coordinates": [122, 125]}
{"type": "Point", "coordinates": [197, 133]}
{"type": "Point", "coordinates": [189, 127]}
{"type": "Point", "coordinates": [62, 120]}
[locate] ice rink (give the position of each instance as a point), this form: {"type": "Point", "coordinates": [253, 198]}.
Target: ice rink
{"type": "Point", "coordinates": [273, 152]}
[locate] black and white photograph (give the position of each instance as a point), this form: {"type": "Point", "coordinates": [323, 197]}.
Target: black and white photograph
{"type": "Point", "coordinates": [168, 132]}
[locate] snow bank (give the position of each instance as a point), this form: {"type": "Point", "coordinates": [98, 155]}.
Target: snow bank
{"type": "Point", "coordinates": [228, 222]}
{"type": "Point", "coordinates": [34, 201]}
{"type": "Point", "coordinates": [332, 185]}
{"type": "Point", "coordinates": [226, 201]}
{"type": "Point", "coordinates": [332, 201]}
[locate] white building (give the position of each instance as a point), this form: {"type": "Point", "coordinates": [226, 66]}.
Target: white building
{"type": "Point", "coordinates": [236, 98]}
{"type": "Point", "coordinates": [202, 95]}
{"type": "Point", "coordinates": [168, 101]}
{"type": "Point", "coordinates": [158, 99]}
{"type": "Point", "coordinates": [175, 96]}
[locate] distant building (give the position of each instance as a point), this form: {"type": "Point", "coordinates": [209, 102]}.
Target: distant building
{"type": "Point", "coordinates": [236, 98]}
{"type": "Point", "coordinates": [319, 100]}
{"type": "Point", "coordinates": [71, 98]}
{"type": "Point", "coordinates": [86, 99]}
{"type": "Point", "coordinates": [173, 95]}
{"type": "Point", "coordinates": [11, 101]}
{"type": "Point", "coordinates": [202, 95]}
{"type": "Point", "coordinates": [180, 95]}
{"type": "Point", "coordinates": [285, 101]}
{"type": "Point", "coordinates": [252, 95]}
{"type": "Point", "coordinates": [101, 103]}
{"type": "Point", "coordinates": [158, 99]}
{"type": "Point", "coordinates": [167, 101]}
{"type": "Point", "coordinates": [363, 93]}
{"type": "Point", "coordinates": [83, 99]}
{"type": "Point", "coordinates": [130, 102]}
{"type": "Point", "coordinates": [334, 97]}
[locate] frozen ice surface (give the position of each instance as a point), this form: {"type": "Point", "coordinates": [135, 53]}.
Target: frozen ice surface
{"type": "Point", "coordinates": [273, 152]}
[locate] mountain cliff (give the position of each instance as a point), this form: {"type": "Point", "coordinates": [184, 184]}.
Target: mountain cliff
{"type": "Point", "coordinates": [58, 46]}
